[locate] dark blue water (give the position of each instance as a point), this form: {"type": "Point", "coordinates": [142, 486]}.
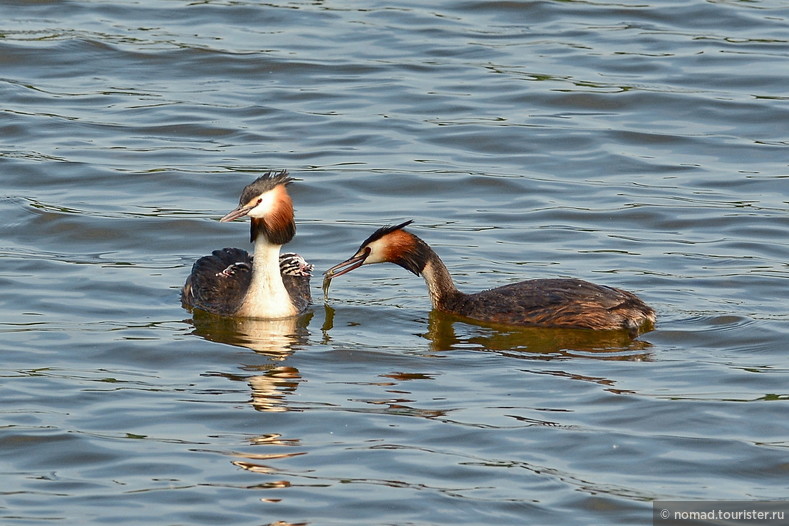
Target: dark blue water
{"type": "Point", "coordinates": [638, 145]}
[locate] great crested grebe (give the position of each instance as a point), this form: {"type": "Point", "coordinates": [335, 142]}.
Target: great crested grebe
{"type": "Point", "coordinates": [230, 282]}
{"type": "Point", "coordinates": [559, 303]}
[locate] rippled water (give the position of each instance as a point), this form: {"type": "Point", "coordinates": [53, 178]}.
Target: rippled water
{"type": "Point", "coordinates": [640, 145]}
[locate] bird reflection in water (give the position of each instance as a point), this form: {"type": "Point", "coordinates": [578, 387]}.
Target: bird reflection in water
{"type": "Point", "coordinates": [274, 338]}
{"type": "Point", "coordinates": [533, 342]}
{"type": "Point", "coordinates": [272, 382]}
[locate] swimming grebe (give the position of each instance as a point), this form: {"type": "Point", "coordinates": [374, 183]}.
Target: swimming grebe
{"type": "Point", "coordinates": [230, 282]}
{"type": "Point", "coordinates": [559, 303]}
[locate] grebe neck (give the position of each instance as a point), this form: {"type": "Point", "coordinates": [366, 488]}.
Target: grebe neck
{"type": "Point", "coordinates": [267, 296]}
{"type": "Point", "coordinates": [440, 286]}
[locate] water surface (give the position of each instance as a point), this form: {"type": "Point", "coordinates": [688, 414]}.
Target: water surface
{"type": "Point", "coordinates": [639, 145]}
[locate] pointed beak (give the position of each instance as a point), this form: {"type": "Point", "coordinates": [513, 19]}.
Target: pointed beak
{"type": "Point", "coordinates": [346, 266]}
{"type": "Point", "coordinates": [241, 211]}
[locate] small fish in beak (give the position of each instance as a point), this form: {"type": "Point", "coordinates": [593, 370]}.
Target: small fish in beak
{"type": "Point", "coordinates": [337, 270]}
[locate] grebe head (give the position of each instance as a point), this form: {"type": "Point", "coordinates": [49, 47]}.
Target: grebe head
{"type": "Point", "coordinates": [267, 203]}
{"type": "Point", "coordinates": [390, 244]}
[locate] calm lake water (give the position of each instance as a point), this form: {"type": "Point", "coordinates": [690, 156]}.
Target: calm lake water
{"type": "Point", "coordinates": [634, 144]}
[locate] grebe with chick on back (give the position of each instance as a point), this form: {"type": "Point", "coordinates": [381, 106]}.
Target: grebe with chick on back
{"type": "Point", "coordinates": [231, 282]}
{"type": "Point", "coordinates": [558, 303]}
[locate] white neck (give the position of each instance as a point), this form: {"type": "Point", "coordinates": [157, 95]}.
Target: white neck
{"type": "Point", "coordinates": [267, 296]}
